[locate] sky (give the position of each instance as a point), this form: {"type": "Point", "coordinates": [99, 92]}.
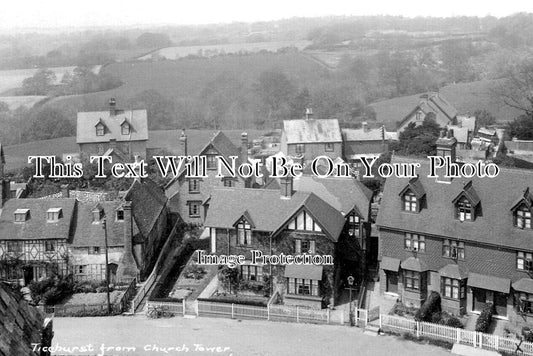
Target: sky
{"type": "Point", "coordinates": [88, 13]}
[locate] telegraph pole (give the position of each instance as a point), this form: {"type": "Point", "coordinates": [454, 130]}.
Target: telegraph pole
{"type": "Point", "coordinates": [107, 267]}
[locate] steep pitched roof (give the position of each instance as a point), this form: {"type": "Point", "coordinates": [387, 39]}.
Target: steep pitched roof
{"type": "Point", "coordinates": [91, 234]}
{"type": "Point", "coordinates": [269, 211]}
{"type": "Point", "coordinates": [312, 130]}
{"type": "Point", "coordinates": [496, 195]}
{"type": "Point", "coordinates": [37, 227]}
{"type": "Point", "coordinates": [147, 204]}
{"type": "Point", "coordinates": [344, 194]}
{"type": "Point", "coordinates": [86, 122]}
{"type": "Point", "coordinates": [433, 104]}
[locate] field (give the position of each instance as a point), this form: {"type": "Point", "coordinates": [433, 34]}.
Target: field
{"type": "Point", "coordinates": [466, 97]}
{"type": "Point", "coordinates": [11, 79]}
{"type": "Point", "coordinates": [15, 101]}
{"type": "Point", "coordinates": [213, 50]}
{"type": "Point", "coordinates": [186, 78]}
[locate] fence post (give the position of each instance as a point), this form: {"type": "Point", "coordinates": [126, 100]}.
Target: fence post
{"type": "Point", "coordinates": [458, 335]}
{"type": "Point", "coordinates": [417, 326]}
{"type": "Point", "coordinates": [380, 323]}
{"type": "Point", "coordinates": [183, 305]}
{"type": "Point", "coordinates": [480, 340]}
{"type": "Point", "coordinates": [232, 310]}
{"type": "Point", "coordinates": [342, 318]}
{"type": "Point", "coordinates": [268, 311]}
{"type": "Point", "coordinates": [327, 322]}
{"type": "Point", "coordinates": [297, 314]}
{"type": "Point", "coordinates": [196, 307]}
{"type": "Point", "coordinates": [366, 317]}
{"type": "Point", "coordinates": [497, 342]}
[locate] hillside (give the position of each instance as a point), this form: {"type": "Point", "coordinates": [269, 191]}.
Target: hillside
{"type": "Point", "coordinates": [186, 78]}
{"type": "Point", "coordinates": [466, 97]}
{"type": "Point", "coordinates": [17, 155]}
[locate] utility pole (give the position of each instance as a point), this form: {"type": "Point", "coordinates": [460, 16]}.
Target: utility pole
{"type": "Point", "coordinates": [107, 266]}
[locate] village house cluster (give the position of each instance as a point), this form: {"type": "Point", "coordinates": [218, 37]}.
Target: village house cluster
{"type": "Point", "coordinates": [468, 238]}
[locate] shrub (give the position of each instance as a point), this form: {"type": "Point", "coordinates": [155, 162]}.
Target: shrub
{"type": "Point", "coordinates": [485, 318]}
{"type": "Point", "coordinates": [454, 322]}
{"type": "Point", "coordinates": [194, 271]}
{"type": "Point", "coordinates": [52, 290]}
{"type": "Point", "coordinates": [430, 307]}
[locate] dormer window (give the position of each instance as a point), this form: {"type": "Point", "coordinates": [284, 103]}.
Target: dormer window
{"type": "Point", "coordinates": [22, 215]}
{"type": "Point", "coordinates": [53, 214]}
{"type": "Point", "coordinates": [353, 224]}
{"type": "Point", "coordinates": [100, 129]}
{"type": "Point", "coordinates": [522, 217]}
{"type": "Point", "coordinates": [410, 202]}
{"type": "Point", "coordinates": [244, 233]}
{"type": "Point", "coordinates": [464, 210]}
{"type": "Point", "coordinates": [125, 128]}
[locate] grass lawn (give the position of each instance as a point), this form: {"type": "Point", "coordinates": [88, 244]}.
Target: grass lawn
{"type": "Point", "coordinates": [92, 298]}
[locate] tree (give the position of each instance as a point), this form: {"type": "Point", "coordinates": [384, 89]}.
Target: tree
{"type": "Point", "coordinates": [274, 90]}
{"type": "Point", "coordinates": [3, 107]}
{"type": "Point", "coordinates": [517, 89]}
{"type": "Point", "coordinates": [153, 40]}
{"type": "Point", "coordinates": [299, 103]}
{"type": "Point", "coordinates": [418, 140]}
{"type": "Point", "coordinates": [484, 118]}
{"type": "Point", "coordinates": [160, 110]}
{"type": "Point", "coordinates": [456, 60]}
{"type": "Point", "coordinates": [219, 96]}
{"type": "Point", "coordinates": [393, 70]}
{"type": "Point", "coordinates": [229, 277]}
{"type": "Point", "coordinates": [48, 123]}
{"type": "Point", "coordinates": [40, 83]}
{"type": "Point", "coordinates": [521, 127]}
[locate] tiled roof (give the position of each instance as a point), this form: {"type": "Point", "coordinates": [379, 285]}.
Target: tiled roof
{"type": "Point", "coordinates": [390, 264]}
{"type": "Point", "coordinates": [87, 121]}
{"type": "Point", "coordinates": [497, 284]}
{"type": "Point", "coordinates": [363, 135]}
{"type": "Point", "coordinates": [433, 104]}
{"type": "Point", "coordinates": [454, 271]}
{"type": "Point", "coordinates": [147, 203]}
{"type": "Point", "coordinates": [92, 234]}
{"type": "Point", "coordinates": [304, 272]}
{"type": "Point", "coordinates": [341, 193]}
{"type": "Point", "coordinates": [268, 210]}
{"type": "Point", "coordinates": [37, 227]}
{"type": "Point", "coordinates": [312, 130]}
{"type": "Point", "coordinates": [414, 264]}
{"type": "Point", "coordinates": [496, 197]}
{"type": "Point", "coordinates": [524, 285]}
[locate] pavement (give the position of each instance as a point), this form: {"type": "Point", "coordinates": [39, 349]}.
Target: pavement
{"type": "Point", "coordinates": [139, 335]}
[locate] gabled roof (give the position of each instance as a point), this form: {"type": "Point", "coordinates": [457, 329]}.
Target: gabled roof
{"type": "Point", "coordinates": [363, 135]}
{"type": "Point", "coordinates": [526, 198]}
{"type": "Point", "coordinates": [147, 204]}
{"type": "Point", "coordinates": [433, 104]}
{"type": "Point", "coordinates": [469, 193]}
{"type": "Point", "coordinates": [312, 131]}
{"type": "Point", "coordinates": [269, 212]}
{"type": "Point", "coordinates": [86, 122]}
{"type": "Point", "coordinates": [414, 186]}
{"type": "Point", "coordinates": [495, 226]}
{"type": "Point", "coordinates": [90, 234]}
{"type": "Point", "coordinates": [37, 227]}
{"type": "Point", "coordinates": [344, 194]}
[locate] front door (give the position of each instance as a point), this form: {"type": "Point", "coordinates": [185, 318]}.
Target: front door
{"type": "Point", "coordinates": [480, 299]}
{"type": "Point", "coordinates": [392, 282]}
{"type": "Point", "coordinates": [500, 303]}
{"type": "Point", "coordinates": [28, 275]}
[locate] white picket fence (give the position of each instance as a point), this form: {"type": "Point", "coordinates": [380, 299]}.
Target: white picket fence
{"type": "Point", "coordinates": [454, 335]}
{"type": "Point", "coordinates": [175, 308]}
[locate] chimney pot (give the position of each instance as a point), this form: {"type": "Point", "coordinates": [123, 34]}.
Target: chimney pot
{"type": "Point", "coordinates": [308, 113]}
{"type": "Point", "coordinates": [286, 184]}
{"type": "Point", "coordinates": [183, 141]}
{"type": "Point", "coordinates": [65, 191]}
{"type": "Point", "coordinates": [112, 106]}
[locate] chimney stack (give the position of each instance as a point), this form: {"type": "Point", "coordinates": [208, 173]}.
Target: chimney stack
{"type": "Point", "coordinates": [65, 191]}
{"type": "Point", "coordinates": [183, 142]}
{"type": "Point", "coordinates": [446, 144]}
{"type": "Point", "coordinates": [112, 106]}
{"type": "Point", "coordinates": [128, 266]}
{"type": "Point", "coordinates": [308, 113]}
{"type": "Point", "coordinates": [364, 125]}
{"type": "Point", "coordinates": [244, 147]}
{"type": "Point", "coordinates": [287, 185]}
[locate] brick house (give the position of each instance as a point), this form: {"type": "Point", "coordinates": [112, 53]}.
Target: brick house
{"type": "Point", "coordinates": [470, 239]}
{"type": "Point", "coordinates": [363, 142]}
{"type": "Point", "coordinates": [186, 195]}
{"type": "Point", "coordinates": [293, 222]}
{"type": "Point", "coordinates": [121, 134]}
{"type": "Point", "coordinates": [309, 138]}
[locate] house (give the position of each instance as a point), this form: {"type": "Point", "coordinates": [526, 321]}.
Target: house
{"type": "Point", "coordinates": [121, 134]}
{"type": "Point", "coordinates": [363, 142]}
{"type": "Point", "coordinates": [463, 130]}
{"type": "Point", "coordinates": [34, 236]}
{"type": "Point", "coordinates": [282, 221]}
{"type": "Point", "coordinates": [309, 138]}
{"type": "Point", "coordinates": [22, 325]}
{"type": "Point", "coordinates": [470, 239]}
{"type": "Point", "coordinates": [431, 106]}
{"type": "Point", "coordinates": [186, 195]}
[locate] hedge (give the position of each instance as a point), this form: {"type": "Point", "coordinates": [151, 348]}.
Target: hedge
{"type": "Point", "coordinates": [485, 318]}
{"type": "Point", "coordinates": [430, 307]}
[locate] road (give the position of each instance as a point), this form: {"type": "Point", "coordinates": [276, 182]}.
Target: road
{"type": "Point", "coordinates": [139, 335]}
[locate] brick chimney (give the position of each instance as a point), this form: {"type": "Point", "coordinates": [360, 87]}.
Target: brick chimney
{"type": "Point", "coordinates": [446, 144]}
{"type": "Point", "coordinates": [364, 125]}
{"type": "Point", "coordinates": [128, 266]}
{"type": "Point", "coordinates": [287, 185]}
{"type": "Point", "coordinates": [65, 191]}
{"type": "Point", "coordinates": [244, 147]}
{"type": "Point", "coordinates": [112, 106]}
{"type": "Point", "coordinates": [183, 142]}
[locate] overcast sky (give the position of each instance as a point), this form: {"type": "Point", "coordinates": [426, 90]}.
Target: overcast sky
{"type": "Point", "coordinates": [82, 13]}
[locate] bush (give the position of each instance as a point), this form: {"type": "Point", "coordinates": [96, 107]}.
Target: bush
{"type": "Point", "coordinates": [52, 290]}
{"type": "Point", "coordinates": [193, 271]}
{"type": "Point", "coordinates": [485, 318]}
{"type": "Point", "coordinates": [454, 322]}
{"type": "Point", "coordinates": [429, 308]}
